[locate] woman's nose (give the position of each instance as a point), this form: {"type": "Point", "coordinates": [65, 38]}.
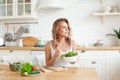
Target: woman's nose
{"type": "Point", "coordinates": [66, 29]}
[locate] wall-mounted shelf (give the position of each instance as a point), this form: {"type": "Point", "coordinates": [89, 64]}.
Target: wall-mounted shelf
{"type": "Point", "coordinates": [106, 11]}
{"type": "Point", "coordinates": [101, 15]}
{"type": "Point", "coordinates": [106, 14]}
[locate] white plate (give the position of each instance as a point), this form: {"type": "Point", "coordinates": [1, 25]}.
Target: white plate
{"type": "Point", "coordinates": [31, 75]}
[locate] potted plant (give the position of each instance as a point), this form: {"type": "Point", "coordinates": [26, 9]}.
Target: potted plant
{"type": "Point", "coordinates": [116, 34]}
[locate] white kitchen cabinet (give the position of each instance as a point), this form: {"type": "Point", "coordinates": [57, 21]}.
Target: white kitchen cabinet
{"type": "Point", "coordinates": [18, 9]}
{"type": "Point", "coordinates": [106, 62]}
{"type": "Point", "coordinates": [93, 58]}
{"type": "Point", "coordinates": [35, 57]}
{"type": "Point", "coordinates": [7, 56]}
{"type": "Point", "coordinates": [113, 64]}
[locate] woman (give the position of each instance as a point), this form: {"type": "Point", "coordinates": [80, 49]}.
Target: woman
{"type": "Point", "coordinates": [60, 44]}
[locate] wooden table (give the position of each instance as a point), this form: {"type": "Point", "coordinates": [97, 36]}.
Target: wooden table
{"type": "Point", "coordinates": [72, 73]}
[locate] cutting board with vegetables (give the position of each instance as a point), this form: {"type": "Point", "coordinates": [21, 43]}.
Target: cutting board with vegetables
{"type": "Point", "coordinates": [52, 69]}
{"type": "Point", "coordinates": [28, 69]}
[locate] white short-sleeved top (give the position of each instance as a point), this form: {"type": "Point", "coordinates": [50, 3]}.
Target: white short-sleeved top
{"type": "Point", "coordinates": [59, 61]}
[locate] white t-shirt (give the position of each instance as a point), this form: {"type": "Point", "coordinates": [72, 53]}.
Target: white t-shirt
{"type": "Point", "coordinates": [59, 61]}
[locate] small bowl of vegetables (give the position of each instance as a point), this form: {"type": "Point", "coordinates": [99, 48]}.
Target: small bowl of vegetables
{"type": "Point", "coordinates": [70, 56]}
{"type": "Point", "coordinates": [15, 66]}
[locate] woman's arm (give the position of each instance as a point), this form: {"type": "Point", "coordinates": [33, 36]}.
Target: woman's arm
{"type": "Point", "coordinates": [74, 49]}
{"type": "Point", "coordinates": [50, 60]}
{"type": "Point", "coordinates": [74, 45]}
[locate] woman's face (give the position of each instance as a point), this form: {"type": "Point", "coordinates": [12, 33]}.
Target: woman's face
{"type": "Point", "coordinates": [63, 29]}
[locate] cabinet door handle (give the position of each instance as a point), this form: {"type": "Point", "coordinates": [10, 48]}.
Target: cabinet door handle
{"type": "Point", "coordinates": [1, 60]}
{"type": "Point", "coordinates": [10, 50]}
{"type": "Point", "coordinates": [82, 51]}
{"type": "Point", "coordinates": [93, 62]}
{"type": "Point", "coordinates": [119, 51]}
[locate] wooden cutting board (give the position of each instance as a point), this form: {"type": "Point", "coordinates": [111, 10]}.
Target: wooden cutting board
{"type": "Point", "coordinates": [2, 71]}
{"type": "Point", "coordinates": [29, 41]}
{"type": "Point", "coordinates": [52, 69]}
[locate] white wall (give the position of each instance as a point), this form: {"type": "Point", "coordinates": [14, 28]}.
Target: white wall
{"type": "Point", "coordinates": [86, 28]}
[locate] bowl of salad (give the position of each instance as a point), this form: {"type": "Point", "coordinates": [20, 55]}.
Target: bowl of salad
{"type": "Point", "coordinates": [70, 56]}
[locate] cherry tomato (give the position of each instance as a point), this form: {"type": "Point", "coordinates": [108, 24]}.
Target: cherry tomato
{"type": "Point", "coordinates": [33, 67]}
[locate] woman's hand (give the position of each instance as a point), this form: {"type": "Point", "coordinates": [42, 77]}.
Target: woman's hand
{"type": "Point", "coordinates": [57, 52]}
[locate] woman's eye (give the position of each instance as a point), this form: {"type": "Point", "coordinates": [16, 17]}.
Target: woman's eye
{"type": "Point", "coordinates": [64, 27]}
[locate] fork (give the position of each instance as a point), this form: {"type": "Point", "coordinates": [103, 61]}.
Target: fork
{"type": "Point", "coordinates": [48, 68]}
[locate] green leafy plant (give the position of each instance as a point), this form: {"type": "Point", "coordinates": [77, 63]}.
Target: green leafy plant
{"type": "Point", "coordinates": [29, 69]}
{"type": "Point", "coordinates": [26, 67]}
{"type": "Point", "coordinates": [116, 33]}
{"type": "Point", "coordinates": [69, 54]}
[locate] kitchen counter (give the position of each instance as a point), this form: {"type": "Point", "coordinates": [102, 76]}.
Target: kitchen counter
{"type": "Point", "coordinates": [72, 73]}
{"type": "Point", "coordinates": [78, 48]}
{"type": "Point", "coordinates": [99, 48]}
{"type": "Point", "coordinates": [23, 48]}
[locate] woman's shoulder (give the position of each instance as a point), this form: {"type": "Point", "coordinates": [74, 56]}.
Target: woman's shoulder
{"type": "Point", "coordinates": [49, 43]}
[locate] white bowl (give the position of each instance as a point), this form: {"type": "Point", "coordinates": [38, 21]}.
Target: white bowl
{"type": "Point", "coordinates": [70, 59]}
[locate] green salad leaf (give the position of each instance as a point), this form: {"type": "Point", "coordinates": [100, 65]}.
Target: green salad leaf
{"type": "Point", "coordinates": [26, 67]}
{"type": "Point", "coordinates": [29, 69]}
{"type": "Point", "coordinates": [69, 54]}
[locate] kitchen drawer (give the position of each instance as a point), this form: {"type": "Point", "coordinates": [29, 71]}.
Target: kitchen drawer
{"type": "Point", "coordinates": [94, 54]}
{"type": "Point", "coordinates": [7, 56]}
{"type": "Point", "coordinates": [14, 52]}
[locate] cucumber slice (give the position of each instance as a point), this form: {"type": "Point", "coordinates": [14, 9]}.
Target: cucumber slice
{"type": "Point", "coordinates": [35, 71]}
